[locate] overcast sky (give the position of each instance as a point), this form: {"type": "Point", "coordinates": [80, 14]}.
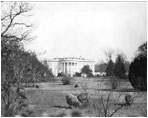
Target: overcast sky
{"type": "Point", "coordinates": [86, 29]}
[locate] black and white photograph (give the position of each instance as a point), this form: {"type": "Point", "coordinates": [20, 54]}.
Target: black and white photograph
{"type": "Point", "coordinates": [74, 58]}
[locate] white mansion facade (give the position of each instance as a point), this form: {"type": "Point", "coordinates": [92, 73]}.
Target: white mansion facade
{"type": "Point", "coordinates": [69, 65]}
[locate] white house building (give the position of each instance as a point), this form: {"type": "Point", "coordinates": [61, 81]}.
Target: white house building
{"type": "Point", "coordinates": [69, 65]}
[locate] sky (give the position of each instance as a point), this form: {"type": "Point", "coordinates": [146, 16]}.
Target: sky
{"type": "Point", "coordinates": [87, 29]}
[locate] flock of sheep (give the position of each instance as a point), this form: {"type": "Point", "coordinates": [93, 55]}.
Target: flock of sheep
{"type": "Point", "coordinates": [77, 101]}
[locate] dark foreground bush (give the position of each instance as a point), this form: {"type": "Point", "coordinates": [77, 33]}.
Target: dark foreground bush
{"type": "Point", "coordinates": [66, 80]}
{"type": "Point", "coordinates": [138, 73]}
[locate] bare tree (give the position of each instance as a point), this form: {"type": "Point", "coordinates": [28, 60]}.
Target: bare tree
{"type": "Point", "coordinates": [109, 54]}
{"type": "Point", "coordinates": [14, 30]}
{"type": "Point", "coordinates": [12, 20]}
{"type": "Point", "coordinates": [103, 105]}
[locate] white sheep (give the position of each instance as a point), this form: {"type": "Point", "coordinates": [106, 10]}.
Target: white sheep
{"type": "Point", "coordinates": [72, 100]}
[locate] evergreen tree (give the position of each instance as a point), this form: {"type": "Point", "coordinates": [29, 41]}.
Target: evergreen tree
{"type": "Point", "coordinates": [119, 68]}
{"type": "Point", "coordinates": [109, 68]}
{"type": "Point", "coordinates": [138, 73]}
{"type": "Point", "coordinates": [138, 69]}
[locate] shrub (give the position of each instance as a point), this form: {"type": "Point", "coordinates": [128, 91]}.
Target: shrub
{"type": "Point", "coordinates": [125, 77]}
{"type": "Point", "coordinates": [113, 83]}
{"type": "Point", "coordinates": [76, 113]}
{"type": "Point", "coordinates": [86, 70]}
{"type": "Point", "coordinates": [138, 73]}
{"type": "Point", "coordinates": [102, 105]}
{"type": "Point", "coordinates": [77, 74]}
{"type": "Point", "coordinates": [66, 80]}
{"type": "Point", "coordinates": [61, 74]}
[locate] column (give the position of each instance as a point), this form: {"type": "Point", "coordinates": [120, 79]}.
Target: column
{"type": "Point", "coordinates": [64, 67]}
{"type": "Point", "coordinates": [73, 68]}
{"type": "Point", "coordinates": [78, 66]}
{"type": "Point", "coordinates": [93, 66]}
{"type": "Point", "coordinates": [69, 65]}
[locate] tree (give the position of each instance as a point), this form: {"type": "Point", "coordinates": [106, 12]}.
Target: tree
{"type": "Point", "coordinates": [13, 34]}
{"type": "Point", "coordinates": [119, 68]}
{"type": "Point", "coordinates": [126, 64]}
{"type": "Point", "coordinates": [110, 68]}
{"type": "Point", "coordinates": [109, 54]}
{"type": "Point", "coordinates": [77, 74]}
{"type": "Point", "coordinates": [138, 69]}
{"type": "Point", "coordinates": [86, 70]}
{"type": "Point", "coordinates": [142, 49]}
{"type": "Point", "coordinates": [18, 66]}
{"type": "Point", "coordinates": [110, 64]}
{"type": "Point", "coordinates": [12, 14]}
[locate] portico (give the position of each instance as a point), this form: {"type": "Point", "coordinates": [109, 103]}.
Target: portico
{"type": "Point", "coordinates": [69, 65]}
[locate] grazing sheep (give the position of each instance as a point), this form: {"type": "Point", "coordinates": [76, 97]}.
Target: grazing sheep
{"type": "Point", "coordinates": [83, 97]}
{"type": "Point", "coordinates": [37, 86]}
{"type": "Point", "coordinates": [72, 100]}
{"type": "Point", "coordinates": [76, 85]}
{"type": "Point", "coordinates": [128, 100]}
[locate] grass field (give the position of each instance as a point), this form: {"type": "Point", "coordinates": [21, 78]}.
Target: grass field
{"type": "Point", "coordinates": [49, 99]}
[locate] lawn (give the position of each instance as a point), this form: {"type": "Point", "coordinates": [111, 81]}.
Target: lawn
{"type": "Point", "coordinates": [49, 99]}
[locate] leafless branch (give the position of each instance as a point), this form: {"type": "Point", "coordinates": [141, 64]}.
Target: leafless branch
{"type": "Point", "coordinates": [109, 54]}
{"type": "Point", "coordinates": [23, 8]}
{"type": "Point", "coordinates": [115, 111]}
{"type": "Point", "coordinates": [14, 24]}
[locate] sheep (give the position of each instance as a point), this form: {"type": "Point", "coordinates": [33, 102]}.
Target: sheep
{"type": "Point", "coordinates": [83, 97]}
{"type": "Point", "coordinates": [76, 85]}
{"type": "Point", "coordinates": [72, 100]}
{"type": "Point", "coordinates": [128, 100]}
{"type": "Point", "coordinates": [37, 86]}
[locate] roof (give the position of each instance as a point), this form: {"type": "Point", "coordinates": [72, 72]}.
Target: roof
{"type": "Point", "coordinates": [70, 59]}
